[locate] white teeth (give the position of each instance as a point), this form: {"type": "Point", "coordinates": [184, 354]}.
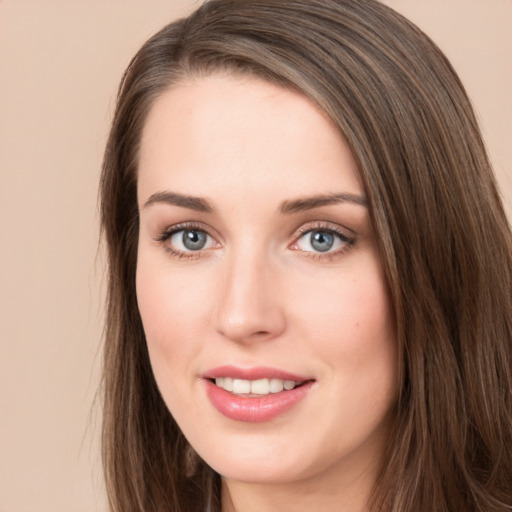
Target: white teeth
{"type": "Point", "coordinates": [289, 384]}
{"type": "Point", "coordinates": [276, 385]}
{"type": "Point", "coordinates": [241, 386]}
{"type": "Point", "coordinates": [255, 387]}
{"type": "Point", "coordinates": [228, 384]}
{"type": "Point", "coordinates": [260, 387]}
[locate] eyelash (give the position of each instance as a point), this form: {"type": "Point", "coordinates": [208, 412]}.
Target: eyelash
{"type": "Point", "coordinates": [166, 235]}
{"type": "Point", "coordinates": [347, 240]}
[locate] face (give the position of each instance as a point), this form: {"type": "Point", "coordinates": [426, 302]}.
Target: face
{"type": "Point", "coordinates": [259, 283]}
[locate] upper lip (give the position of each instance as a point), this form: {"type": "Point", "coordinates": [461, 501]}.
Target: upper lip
{"type": "Point", "coordinates": [253, 373]}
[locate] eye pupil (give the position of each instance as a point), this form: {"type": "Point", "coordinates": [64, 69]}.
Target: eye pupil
{"type": "Point", "coordinates": [194, 240]}
{"type": "Point", "coordinates": [321, 241]}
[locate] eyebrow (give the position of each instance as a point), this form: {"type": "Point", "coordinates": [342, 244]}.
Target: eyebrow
{"type": "Point", "coordinates": [192, 203]}
{"type": "Point", "coordinates": [287, 207]}
{"type": "Point", "coordinates": [309, 203]}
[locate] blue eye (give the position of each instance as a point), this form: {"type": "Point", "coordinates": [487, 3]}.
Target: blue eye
{"type": "Point", "coordinates": [322, 241]}
{"type": "Point", "coordinates": [187, 240]}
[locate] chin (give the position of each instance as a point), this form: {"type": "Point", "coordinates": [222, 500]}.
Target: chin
{"type": "Point", "coordinates": [254, 463]}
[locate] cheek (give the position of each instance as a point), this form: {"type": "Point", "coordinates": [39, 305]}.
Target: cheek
{"type": "Point", "coordinates": [170, 308]}
{"type": "Point", "coordinates": [169, 299]}
{"type": "Point", "coordinates": [351, 310]}
{"type": "Point", "coordinates": [174, 309]}
{"type": "Point", "coordinates": [354, 332]}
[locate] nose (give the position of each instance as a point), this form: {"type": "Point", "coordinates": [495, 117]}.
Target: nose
{"type": "Point", "coordinates": [250, 307]}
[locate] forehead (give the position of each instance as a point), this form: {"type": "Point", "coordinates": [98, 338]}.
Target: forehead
{"type": "Point", "coordinates": [222, 131]}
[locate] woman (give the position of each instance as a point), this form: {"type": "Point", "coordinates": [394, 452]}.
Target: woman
{"type": "Point", "coordinates": [310, 271]}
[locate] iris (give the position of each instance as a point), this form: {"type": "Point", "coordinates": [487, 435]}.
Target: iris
{"type": "Point", "coordinates": [194, 240]}
{"type": "Point", "coordinates": [322, 241]}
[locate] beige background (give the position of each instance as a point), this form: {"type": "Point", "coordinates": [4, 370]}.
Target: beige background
{"type": "Point", "coordinates": [60, 62]}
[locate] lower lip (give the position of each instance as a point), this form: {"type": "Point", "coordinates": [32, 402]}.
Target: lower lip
{"type": "Point", "coordinates": [258, 408]}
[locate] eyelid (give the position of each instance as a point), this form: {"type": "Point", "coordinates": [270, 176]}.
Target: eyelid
{"type": "Point", "coordinates": [345, 234]}
{"type": "Point", "coordinates": [168, 231]}
{"type": "Point", "coordinates": [321, 225]}
{"type": "Point", "coordinates": [166, 234]}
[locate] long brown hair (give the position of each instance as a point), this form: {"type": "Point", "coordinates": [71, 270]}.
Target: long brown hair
{"type": "Point", "coordinates": [444, 240]}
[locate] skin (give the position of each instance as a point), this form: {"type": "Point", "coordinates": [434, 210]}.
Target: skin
{"type": "Point", "coordinates": [260, 294]}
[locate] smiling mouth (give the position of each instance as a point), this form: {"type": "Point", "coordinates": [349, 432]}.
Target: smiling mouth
{"type": "Point", "coordinates": [255, 394]}
{"type": "Point", "coordinates": [255, 388]}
